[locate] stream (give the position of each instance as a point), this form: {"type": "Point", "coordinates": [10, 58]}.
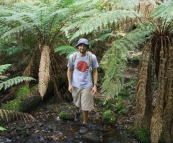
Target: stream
{"type": "Point", "coordinates": [49, 128]}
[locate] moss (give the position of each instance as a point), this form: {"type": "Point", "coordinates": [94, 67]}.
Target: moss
{"type": "Point", "coordinates": [65, 115]}
{"type": "Point", "coordinates": [52, 107]}
{"type": "Point", "coordinates": [108, 117]}
{"type": "Point", "coordinates": [24, 100]}
{"type": "Point", "coordinates": [143, 135]}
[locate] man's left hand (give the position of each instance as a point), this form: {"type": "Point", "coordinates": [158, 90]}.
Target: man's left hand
{"type": "Point", "coordinates": [94, 90]}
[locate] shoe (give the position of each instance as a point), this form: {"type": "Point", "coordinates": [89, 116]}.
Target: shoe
{"type": "Point", "coordinates": [76, 117]}
{"type": "Point", "coordinates": [83, 129]}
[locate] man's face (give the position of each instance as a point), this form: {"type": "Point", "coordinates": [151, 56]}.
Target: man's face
{"type": "Point", "coordinates": [82, 48]}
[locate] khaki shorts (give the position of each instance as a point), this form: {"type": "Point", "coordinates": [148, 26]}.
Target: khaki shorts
{"type": "Point", "coordinates": [83, 98]}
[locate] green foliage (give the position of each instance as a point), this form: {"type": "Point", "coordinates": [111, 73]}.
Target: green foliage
{"type": "Point", "coordinates": [108, 117]}
{"type": "Point", "coordinates": [120, 108]}
{"type": "Point", "coordinates": [35, 22]}
{"type": "Point", "coordinates": [10, 82]}
{"type": "Point", "coordinates": [116, 105]}
{"type": "Point", "coordinates": [130, 4]}
{"type": "Point", "coordinates": [14, 81]}
{"type": "Point", "coordinates": [68, 50]}
{"type": "Point", "coordinates": [3, 68]}
{"type": "Point", "coordinates": [114, 60]}
{"type": "Point", "coordinates": [164, 11]}
{"type": "Point", "coordinates": [99, 21]}
{"type": "Point", "coordinates": [52, 107]}
{"type": "Point", "coordinates": [65, 115]}
{"type": "Point", "coordinates": [2, 129]}
{"type": "Point", "coordinates": [143, 135]}
{"type": "Point", "coordinates": [25, 100]}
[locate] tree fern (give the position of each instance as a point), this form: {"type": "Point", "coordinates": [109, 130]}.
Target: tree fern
{"type": "Point", "coordinates": [114, 60]}
{"type": "Point", "coordinates": [101, 20]}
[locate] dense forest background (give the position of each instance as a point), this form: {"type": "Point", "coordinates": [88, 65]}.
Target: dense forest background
{"type": "Point", "coordinates": [36, 38]}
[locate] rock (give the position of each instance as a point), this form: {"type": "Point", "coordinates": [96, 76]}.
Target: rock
{"type": "Point", "coordinates": [95, 136]}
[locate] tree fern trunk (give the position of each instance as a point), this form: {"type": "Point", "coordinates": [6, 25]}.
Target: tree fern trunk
{"type": "Point", "coordinates": [157, 120]}
{"type": "Point", "coordinates": [168, 111]}
{"type": "Point", "coordinates": [148, 109]}
{"type": "Point", "coordinates": [140, 95]}
{"type": "Point", "coordinates": [44, 71]}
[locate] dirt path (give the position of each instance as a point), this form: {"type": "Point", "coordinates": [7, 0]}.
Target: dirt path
{"type": "Point", "coordinates": [48, 128]}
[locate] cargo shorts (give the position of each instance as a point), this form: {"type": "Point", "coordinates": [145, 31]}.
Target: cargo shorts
{"type": "Point", "coordinates": [83, 98]}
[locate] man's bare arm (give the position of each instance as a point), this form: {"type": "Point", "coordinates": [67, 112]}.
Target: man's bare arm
{"type": "Point", "coordinates": [69, 76]}
{"type": "Point", "coordinates": [95, 78]}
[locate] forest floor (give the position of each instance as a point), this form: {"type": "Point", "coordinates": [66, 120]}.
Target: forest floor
{"type": "Point", "coordinates": [49, 128]}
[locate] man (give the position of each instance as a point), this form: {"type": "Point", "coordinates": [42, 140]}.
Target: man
{"type": "Point", "coordinates": [80, 81]}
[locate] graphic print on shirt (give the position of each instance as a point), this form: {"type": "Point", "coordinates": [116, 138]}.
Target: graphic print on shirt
{"type": "Point", "coordinates": [82, 66]}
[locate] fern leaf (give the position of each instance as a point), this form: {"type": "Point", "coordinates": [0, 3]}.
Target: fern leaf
{"type": "Point", "coordinates": [9, 115]}
{"type": "Point", "coordinates": [4, 67]}
{"type": "Point", "coordinates": [68, 50]}
{"type": "Point", "coordinates": [86, 13]}
{"type": "Point", "coordinates": [86, 3]}
{"type": "Point", "coordinates": [101, 21]}
{"type": "Point", "coordinates": [103, 37]}
{"type": "Point", "coordinates": [14, 81]}
{"type": "Point", "coordinates": [114, 60]}
{"type": "Point", "coordinates": [128, 4]}
{"type": "Point", "coordinates": [2, 78]}
{"type": "Point", "coordinates": [164, 11]}
{"type": "Point", "coordinates": [17, 29]}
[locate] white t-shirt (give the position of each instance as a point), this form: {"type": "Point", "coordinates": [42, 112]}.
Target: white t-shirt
{"type": "Point", "coordinates": [82, 74]}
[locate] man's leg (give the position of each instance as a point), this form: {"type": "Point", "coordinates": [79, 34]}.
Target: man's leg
{"type": "Point", "coordinates": [85, 117]}
{"type": "Point", "coordinates": [76, 101]}
{"type": "Point", "coordinates": [77, 114]}
{"type": "Point", "coordinates": [87, 105]}
{"type": "Point", "coordinates": [84, 127]}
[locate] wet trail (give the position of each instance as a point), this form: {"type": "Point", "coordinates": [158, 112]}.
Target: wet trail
{"type": "Point", "coordinates": [48, 128]}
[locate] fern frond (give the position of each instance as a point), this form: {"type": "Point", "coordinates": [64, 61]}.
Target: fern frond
{"type": "Point", "coordinates": [164, 11]}
{"type": "Point", "coordinates": [58, 12]}
{"type": "Point", "coordinates": [6, 10]}
{"type": "Point", "coordinates": [85, 4]}
{"type": "Point", "coordinates": [4, 67]}
{"type": "Point", "coordinates": [9, 115]}
{"type": "Point", "coordinates": [68, 50]}
{"type": "Point", "coordinates": [102, 37]}
{"type": "Point", "coordinates": [127, 4]}
{"type": "Point", "coordinates": [114, 60]}
{"type": "Point", "coordinates": [86, 13]}
{"type": "Point", "coordinates": [101, 21]}
{"type": "Point", "coordinates": [14, 81]}
{"type": "Point", "coordinates": [17, 29]}
{"type": "Point", "coordinates": [2, 78]}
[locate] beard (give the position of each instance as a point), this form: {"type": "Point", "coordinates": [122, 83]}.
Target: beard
{"type": "Point", "coordinates": [82, 51]}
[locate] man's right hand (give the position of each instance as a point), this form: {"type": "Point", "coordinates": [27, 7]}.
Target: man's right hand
{"type": "Point", "coordinates": [70, 88]}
